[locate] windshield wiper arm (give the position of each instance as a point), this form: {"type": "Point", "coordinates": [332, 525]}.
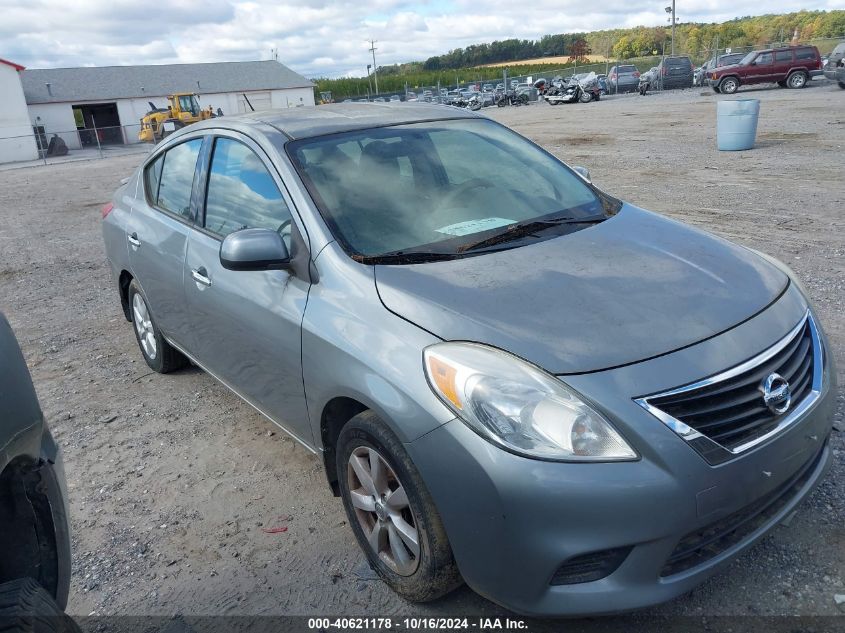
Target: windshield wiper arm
{"type": "Point", "coordinates": [515, 231]}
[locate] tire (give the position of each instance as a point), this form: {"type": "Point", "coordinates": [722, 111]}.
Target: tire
{"type": "Point", "coordinates": [796, 80]}
{"type": "Point", "coordinates": [729, 85]}
{"type": "Point", "coordinates": [842, 85]}
{"type": "Point", "coordinates": [157, 352]}
{"type": "Point", "coordinates": [419, 577]}
{"type": "Point", "coordinates": [716, 89]}
{"type": "Point", "coordinates": [585, 97]}
{"type": "Point", "coordinates": [25, 607]}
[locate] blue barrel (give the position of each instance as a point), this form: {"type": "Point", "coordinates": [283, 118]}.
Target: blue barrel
{"type": "Point", "coordinates": [736, 124]}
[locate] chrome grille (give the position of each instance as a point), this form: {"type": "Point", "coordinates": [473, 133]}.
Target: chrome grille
{"type": "Point", "coordinates": [729, 409]}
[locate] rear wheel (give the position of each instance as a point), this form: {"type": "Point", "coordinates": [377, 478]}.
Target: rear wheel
{"type": "Point", "coordinates": [392, 513]}
{"type": "Point", "coordinates": [798, 79]}
{"type": "Point", "coordinates": [729, 85]}
{"type": "Point", "coordinates": [158, 353]}
{"type": "Point", "coordinates": [842, 85]}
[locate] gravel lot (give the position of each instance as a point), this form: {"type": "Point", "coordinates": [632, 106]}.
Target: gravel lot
{"type": "Point", "coordinates": [172, 478]}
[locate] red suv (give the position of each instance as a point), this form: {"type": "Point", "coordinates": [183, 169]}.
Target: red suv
{"type": "Point", "coordinates": [789, 67]}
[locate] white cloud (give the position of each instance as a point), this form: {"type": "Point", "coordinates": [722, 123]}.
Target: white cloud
{"type": "Point", "coordinates": [314, 37]}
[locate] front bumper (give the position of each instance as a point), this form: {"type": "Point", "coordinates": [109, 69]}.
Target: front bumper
{"type": "Point", "coordinates": [512, 521]}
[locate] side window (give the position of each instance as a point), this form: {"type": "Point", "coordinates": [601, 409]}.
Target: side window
{"type": "Point", "coordinates": [242, 194]}
{"type": "Point", "coordinates": [152, 177]}
{"type": "Point", "coordinates": [177, 178]}
{"type": "Point", "coordinates": [783, 56]}
{"type": "Point", "coordinates": [764, 59]}
{"type": "Point", "coordinates": [805, 53]}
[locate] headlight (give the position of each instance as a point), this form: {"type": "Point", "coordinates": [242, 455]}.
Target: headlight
{"type": "Point", "coordinates": [519, 407]}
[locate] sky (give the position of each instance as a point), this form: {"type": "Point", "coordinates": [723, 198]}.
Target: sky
{"type": "Point", "coordinates": [317, 38]}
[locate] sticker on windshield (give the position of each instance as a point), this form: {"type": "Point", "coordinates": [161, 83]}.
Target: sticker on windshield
{"type": "Point", "coordinates": [474, 226]}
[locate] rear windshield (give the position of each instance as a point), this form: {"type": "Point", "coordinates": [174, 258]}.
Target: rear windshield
{"type": "Point", "coordinates": [627, 69]}
{"type": "Point", "coordinates": [678, 61]}
{"type": "Point", "coordinates": [439, 188]}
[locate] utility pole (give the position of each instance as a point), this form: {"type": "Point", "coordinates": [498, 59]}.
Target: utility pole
{"type": "Point", "coordinates": [373, 50]}
{"type": "Point", "coordinates": [369, 81]}
{"type": "Point", "coordinates": [673, 28]}
{"type": "Point", "coordinates": [672, 19]}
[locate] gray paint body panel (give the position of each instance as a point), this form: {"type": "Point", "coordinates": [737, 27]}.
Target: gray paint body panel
{"type": "Point", "coordinates": [633, 287]}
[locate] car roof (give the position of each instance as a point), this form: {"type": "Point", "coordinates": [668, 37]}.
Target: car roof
{"type": "Point", "coordinates": [332, 118]}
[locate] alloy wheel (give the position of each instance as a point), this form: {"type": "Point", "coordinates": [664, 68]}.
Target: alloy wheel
{"type": "Point", "coordinates": [797, 80]}
{"type": "Point", "coordinates": [144, 326]}
{"type": "Point", "coordinates": [383, 511]}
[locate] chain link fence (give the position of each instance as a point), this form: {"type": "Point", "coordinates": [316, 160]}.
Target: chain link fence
{"type": "Point", "coordinates": [45, 146]}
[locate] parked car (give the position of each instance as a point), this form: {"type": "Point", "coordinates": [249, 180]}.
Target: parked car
{"type": "Point", "coordinates": [500, 87]}
{"type": "Point", "coordinates": [834, 68]}
{"type": "Point", "coordinates": [674, 72]}
{"type": "Point", "coordinates": [789, 67]}
{"type": "Point", "coordinates": [700, 76]}
{"type": "Point", "coordinates": [648, 80]}
{"type": "Point", "coordinates": [34, 528]}
{"type": "Point", "coordinates": [487, 88]}
{"type": "Point", "coordinates": [623, 79]}
{"type": "Point", "coordinates": [514, 83]}
{"type": "Point", "coordinates": [395, 99]}
{"type": "Point", "coordinates": [512, 378]}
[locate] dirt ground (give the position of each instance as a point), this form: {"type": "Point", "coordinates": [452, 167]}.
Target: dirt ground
{"type": "Point", "coordinates": [172, 478]}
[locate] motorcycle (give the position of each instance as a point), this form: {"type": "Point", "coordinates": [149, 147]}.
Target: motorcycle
{"type": "Point", "coordinates": [579, 88]}
{"type": "Point", "coordinates": [510, 98]}
{"type": "Point", "coordinates": [474, 103]}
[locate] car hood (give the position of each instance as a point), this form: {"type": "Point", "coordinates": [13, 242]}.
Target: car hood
{"type": "Point", "coordinates": [633, 287]}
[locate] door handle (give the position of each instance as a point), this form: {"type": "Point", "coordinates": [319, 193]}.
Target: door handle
{"type": "Point", "coordinates": [134, 241]}
{"type": "Point", "coordinates": [200, 275]}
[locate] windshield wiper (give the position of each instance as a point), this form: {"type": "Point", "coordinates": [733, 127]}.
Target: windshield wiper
{"type": "Point", "coordinates": [516, 231]}
{"type": "Point", "coordinates": [409, 257]}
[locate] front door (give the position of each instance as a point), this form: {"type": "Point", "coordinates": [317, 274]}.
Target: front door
{"type": "Point", "coordinates": [761, 69]}
{"type": "Point", "coordinates": [157, 232]}
{"type": "Point", "coordinates": [247, 324]}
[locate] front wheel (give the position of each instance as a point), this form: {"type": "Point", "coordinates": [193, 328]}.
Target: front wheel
{"type": "Point", "coordinates": [797, 79]}
{"type": "Point", "coordinates": [729, 86]}
{"type": "Point", "coordinates": [392, 513]}
{"type": "Point", "coordinates": [585, 97]}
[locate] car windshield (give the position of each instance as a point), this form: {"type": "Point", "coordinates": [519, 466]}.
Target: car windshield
{"type": "Point", "coordinates": [441, 189]}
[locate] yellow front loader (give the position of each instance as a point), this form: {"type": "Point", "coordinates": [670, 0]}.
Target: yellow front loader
{"type": "Point", "coordinates": [183, 109]}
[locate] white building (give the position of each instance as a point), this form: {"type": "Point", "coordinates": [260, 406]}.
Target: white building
{"type": "Point", "coordinates": [17, 141]}
{"type": "Point", "coordinates": [72, 102]}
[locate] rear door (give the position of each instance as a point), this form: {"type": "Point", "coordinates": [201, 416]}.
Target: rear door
{"type": "Point", "coordinates": [783, 64]}
{"type": "Point", "coordinates": [247, 324]}
{"type": "Point", "coordinates": [157, 231]}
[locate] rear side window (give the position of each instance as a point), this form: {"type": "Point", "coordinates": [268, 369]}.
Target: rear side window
{"type": "Point", "coordinates": [177, 178]}
{"type": "Point", "coordinates": [805, 53]}
{"type": "Point", "coordinates": [242, 194]}
{"type": "Point", "coordinates": [152, 177]}
{"type": "Point", "coordinates": [783, 56]}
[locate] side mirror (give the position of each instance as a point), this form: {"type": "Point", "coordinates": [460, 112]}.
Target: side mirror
{"type": "Point", "coordinates": [254, 249]}
{"type": "Point", "coordinates": [583, 172]}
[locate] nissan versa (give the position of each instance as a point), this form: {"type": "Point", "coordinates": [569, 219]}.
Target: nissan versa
{"type": "Point", "coordinates": [513, 379]}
